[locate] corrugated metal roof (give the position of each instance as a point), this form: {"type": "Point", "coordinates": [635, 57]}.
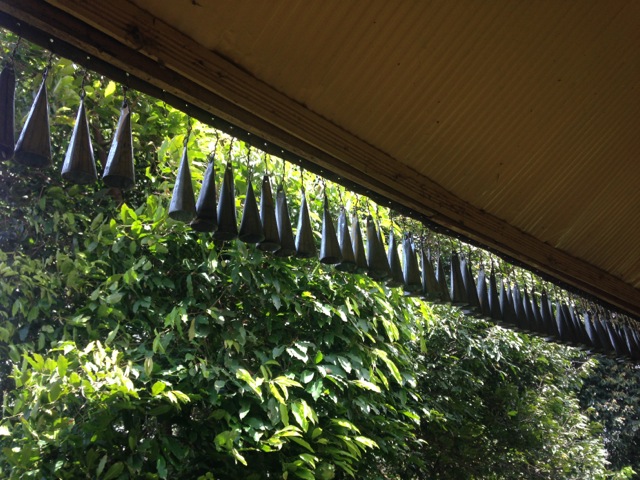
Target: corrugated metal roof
{"type": "Point", "coordinates": [528, 110]}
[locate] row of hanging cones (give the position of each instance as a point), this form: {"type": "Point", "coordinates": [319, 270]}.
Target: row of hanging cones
{"type": "Point", "coordinates": [33, 147]}
{"type": "Point", "coordinates": [269, 228]}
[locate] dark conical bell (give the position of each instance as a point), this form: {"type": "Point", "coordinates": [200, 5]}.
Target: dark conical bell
{"type": "Point", "coordinates": [518, 307]}
{"type": "Point", "coordinates": [358, 245]}
{"type": "Point", "coordinates": [591, 332]}
{"type": "Point", "coordinates": [603, 335]}
{"type": "Point", "coordinates": [572, 331]}
{"type": "Point", "coordinates": [378, 266]}
{"type": "Point", "coordinates": [397, 278]}
{"type": "Point", "coordinates": [183, 202]}
{"type": "Point", "coordinates": [457, 291]}
{"type": "Point", "coordinates": [119, 171]}
{"type": "Point", "coordinates": [538, 325]}
{"type": "Point", "coordinates": [251, 226]}
{"type": "Point", "coordinates": [227, 220]}
{"type": "Point", "coordinates": [635, 337]}
{"type": "Point", "coordinates": [578, 327]}
{"type": "Point", "coordinates": [561, 323]}
{"type": "Point", "coordinates": [494, 299]}
{"type": "Point", "coordinates": [271, 241]}
{"type": "Point", "coordinates": [206, 217]}
{"type": "Point", "coordinates": [33, 147]}
{"type": "Point", "coordinates": [473, 308]}
{"type": "Point", "coordinates": [411, 269]}
{"type": "Point", "coordinates": [528, 312]}
{"type": "Point", "coordinates": [431, 290]}
{"type": "Point", "coordinates": [506, 306]}
{"type": "Point", "coordinates": [330, 253]}
{"type": "Point", "coordinates": [616, 341]}
{"type": "Point", "coordinates": [634, 352]}
{"type": "Point", "coordinates": [7, 111]}
{"type": "Point", "coordinates": [548, 318]}
{"type": "Point", "coordinates": [79, 164]}
{"type": "Point", "coordinates": [285, 231]}
{"type": "Point", "coordinates": [348, 262]}
{"type": "Point", "coordinates": [305, 244]}
{"type": "Point", "coordinates": [442, 282]}
{"type": "Point", "coordinates": [483, 295]}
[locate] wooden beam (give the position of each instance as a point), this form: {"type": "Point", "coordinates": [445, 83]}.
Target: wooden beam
{"type": "Point", "coordinates": [130, 38]}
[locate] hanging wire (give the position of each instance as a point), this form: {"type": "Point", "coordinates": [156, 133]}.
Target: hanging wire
{"type": "Point", "coordinates": [45, 72]}
{"type": "Point", "coordinates": [14, 51]}
{"type": "Point", "coordinates": [188, 134]}
{"type": "Point", "coordinates": [248, 161]}
{"type": "Point", "coordinates": [212, 155]}
{"type": "Point", "coordinates": [125, 91]}
{"type": "Point", "coordinates": [302, 178]}
{"type": "Point", "coordinates": [265, 159]}
{"type": "Point", "coordinates": [229, 151]}
{"type": "Point", "coordinates": [340, 197]}
{"type": "Point", "coordinates": [83, 92]}
{"type": "Point", "coordinates": [284, 173]}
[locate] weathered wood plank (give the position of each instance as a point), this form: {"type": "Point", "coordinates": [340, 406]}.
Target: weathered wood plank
{"type": "Point", "coordinates": [132, 39]}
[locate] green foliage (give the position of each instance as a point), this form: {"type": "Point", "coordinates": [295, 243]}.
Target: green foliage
{"type": "Point", "coordinates": [611, 395]}
{"type": "Point", "coordinates": [132, 347]}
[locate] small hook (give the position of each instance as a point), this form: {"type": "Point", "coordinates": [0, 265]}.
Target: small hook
{"type": "Point", "coordinates": [188, 134]}
{"type": "Point", "coordinates": [229, 151]}
{"type": "Point", "coordinates": [85, 75]}
{"type": "Point", "coordinates": [248, 160]}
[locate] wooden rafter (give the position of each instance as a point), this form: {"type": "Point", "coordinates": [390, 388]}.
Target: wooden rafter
{"type": "Point", "coordinates": [130, 38]}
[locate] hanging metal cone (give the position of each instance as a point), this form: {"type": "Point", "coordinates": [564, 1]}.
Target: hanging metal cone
{"type": "Point", "coordinates": [518, 306]}
{"type": "Point", "coordinates": [411, 269]}
{"type": "Point", "coordinates": [563, 330]}
{"type": "Point", "coordinates": [632, 342]}
{"type": "Point", "coordinates": [603, 335]}
{"type": "Point", "coordinates": [539, 326]}
{"type": "Point", "coordinates": [616, 341]}
{"type": "Point", "coordinates": [591, 331]}
{"type": "Point", "coordinates": [358, 245]}
{"type": "Point", "coordinates": [227, 220]}
{"type": "Point", "coordinates": [348, 262]}
{"type": "Point", "coordinates": [330, 253]}
{"type": "Point", "coordinates": [494, 299]}
{"type": "Point", "coordinates": [572, 333]}
{"type": "Point", "coordinates": [7, 111]}
{"type": "Point", "coordinates": [528, 312]}
{"type": "Point", "coordinates": [546, 309]}
{"type": "Point", "coordinates": [378, 266]}
{"type": "Point", "coordinates": [431, 289]}
{"type": "Point", "coordinates": [119, 172]}
{"type": "Point", "coordinates": [397, 278]}
{"type": "Point", "coordinates": [251, 226]}
{"type": "Point", "coordinates": [625, 332]}
{"type": "Point", "coordinates": [33, 147]}
{"type": "Point", "coordinates": [635, 335]}
{"type": "Point", "coordinates": [473, 308]}
{"type": "Point", "coordinates": [483, 295]}
{"type": "Point", "coordinates": [206, 217]}
{"type": "Point", "coordinates": [506, 305]}
{"type": "Point", "coordinates": [442, 282]}
{"type": "Point", "coordinates": [79, 164]}
{"type": "Point", "coordinates": [456, 283]}
{"type": "Point", "coordinates": [271, 241]}
{"type": "Point", "coordinates": [183, 202]}
{"type": "Point", "coordinates": [580, 334]}
{"type": "Point", "coordinates": [285, 231]}
{"type": "Point", "coordinates": [305, 244]}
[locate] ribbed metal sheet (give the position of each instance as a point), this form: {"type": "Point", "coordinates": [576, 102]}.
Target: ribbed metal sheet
{"type": "Point", "coordinates": [528, 110]}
